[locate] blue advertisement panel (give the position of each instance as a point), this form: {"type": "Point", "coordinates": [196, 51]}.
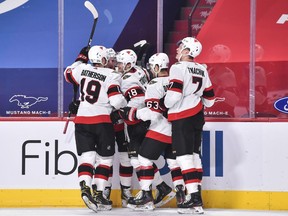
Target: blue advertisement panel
{"type": "Point", "coordinates": [29, 44]}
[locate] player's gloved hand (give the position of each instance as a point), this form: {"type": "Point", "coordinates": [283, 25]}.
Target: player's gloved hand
{"type": "Point", "coordinates": [163, 108]}
{"type": "Point", "coordinates": [73, 107]}
{"type": "Point", "coordinates": [162, 105]}
{"type": "Point", "coordinates": [114, 116]}
{"type": "Point", "coordinates": [83, 55]}
{"type": "Point", "coordinates": [128, 113]}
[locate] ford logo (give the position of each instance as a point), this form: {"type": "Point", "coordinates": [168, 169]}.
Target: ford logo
{"type": "Point", "coordinates": [282, 105]}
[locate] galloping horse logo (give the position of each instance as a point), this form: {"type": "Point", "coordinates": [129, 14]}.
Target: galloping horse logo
{"type": "Point", "coordinates": [25, 102]}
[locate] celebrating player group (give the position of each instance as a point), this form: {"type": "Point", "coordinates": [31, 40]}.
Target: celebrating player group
{"type": "Point", "coordinates": [145, 113]}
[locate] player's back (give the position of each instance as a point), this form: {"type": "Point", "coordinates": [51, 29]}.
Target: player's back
{"type": "Point", "coordinates": [94, 83]}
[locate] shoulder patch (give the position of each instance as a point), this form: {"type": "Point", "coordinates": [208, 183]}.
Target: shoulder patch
{"type": "Point", "coordinates": [126, 76]}
{"type": "Point", "coordinates": [152, 82]}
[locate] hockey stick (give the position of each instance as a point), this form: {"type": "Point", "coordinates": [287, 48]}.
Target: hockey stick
{"type": "Point", "coordinates": [66, 123]}
{"type": "Point", "coordinates": [94, 12]}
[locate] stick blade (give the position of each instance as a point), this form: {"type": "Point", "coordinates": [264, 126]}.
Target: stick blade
{"type": "Point", "coordinates": [91, 8]}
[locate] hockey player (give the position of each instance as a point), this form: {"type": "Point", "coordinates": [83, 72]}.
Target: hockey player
{"type": "Point", "coordinates": [125, 167]}
{"type": "Point", "coordinates": [133, 86]}
{"type": "Point", "coordinates": [157, 140]}
{"type": "Point", "coordinates": [99, 93]}
{"type": "Point", "coordinates": [190, 90]}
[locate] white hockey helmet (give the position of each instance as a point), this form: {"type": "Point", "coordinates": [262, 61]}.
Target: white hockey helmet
{"type": "Point", "coordinates": [111, 53]}
{"type": "Point", "coordinates": [194, 46]}
{"type": "Point", "coordinates": [160, 59]}
{"type": "Point", "coordinates": [125, 57]}
{"type": "Point", "coordinates": [97, 53]}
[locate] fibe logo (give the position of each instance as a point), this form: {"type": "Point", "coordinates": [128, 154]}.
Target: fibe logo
{"type": "Point", "coordinates": [29, 144]}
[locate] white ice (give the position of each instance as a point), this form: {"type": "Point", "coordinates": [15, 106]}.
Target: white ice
{"type": "Point", "coordinates": [127, 212]}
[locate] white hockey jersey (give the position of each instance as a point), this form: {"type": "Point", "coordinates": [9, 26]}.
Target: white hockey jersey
{"type": "Point", "coordinates": [160, 128]}
{"type": "Point", "coordinates": [189, 89]}
{"type": "Point", "coordinates": [133, 86]}
{"type": "Point", "coordinates": [99, 92]}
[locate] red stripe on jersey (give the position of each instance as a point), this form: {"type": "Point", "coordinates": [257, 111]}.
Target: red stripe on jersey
{"type": "Point", "coordinates": [188, 171]}
{"type": "Point", "coordinates": [146, 167]}
{"type": "Point", "coordinates": [158, 136]}
{"type": "Point", "coordinates": [101, 177]}
{"type": "Point", "coordinates": [186, 113]}
{"type": "Point", "coordinates": [132, 122]}
{"type": "Point", "coordinates": [125, 175]}
{"type": "Point", "coordinates": [192, 181]}
{"type": "Point", "coordinates": [177, 178]}
{"type": "Point", "coordinates": [87, 164]}
{"type": "Point", "coordinates": [92, 119]}
{"type": "Point", "coordinates": [146, 178]}
{"type": "Point", "coordinates": [104, 166]}
{"type": "Point", "coordinates": [85, 173]}
{"type": "Point", "coordinates": [69, 77]}
{"type": "Point", "coordinates": [118, 127]}
{"type": "Point", "coordinates": [153, 104]}
{"type": "Point", "coordinates": [113, 90]}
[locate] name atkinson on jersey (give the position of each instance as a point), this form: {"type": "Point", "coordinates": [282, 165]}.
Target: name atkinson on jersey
{"type": "Point", "coordinates": [94, 75]}
{"type": "Point", "coordinates": [196, 71]}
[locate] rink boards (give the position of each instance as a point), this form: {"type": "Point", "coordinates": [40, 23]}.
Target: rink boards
{"type": "Point", "coordinates": [244, 165]}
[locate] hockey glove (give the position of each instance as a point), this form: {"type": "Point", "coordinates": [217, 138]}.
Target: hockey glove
{"type": "Point", "coordinates": [83, 55]}
{"type": "Point", "coordinates": [114, 116]}
{"type": "Point", "coordinates": [163, 107]}
{"type": "Point", "coordinates": [128, 113]}
{"type": "Point", "coordinates": [73, 107]}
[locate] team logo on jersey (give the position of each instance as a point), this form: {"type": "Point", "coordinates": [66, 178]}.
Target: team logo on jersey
{"type": "Point", "coordinates": [126, 76]}
{"type": "Point", "coordinates": [25, 102]}
{"type": "Point", "coordinates": [152, 82]}
{"type": "Point", "coordinates": [282, 105]}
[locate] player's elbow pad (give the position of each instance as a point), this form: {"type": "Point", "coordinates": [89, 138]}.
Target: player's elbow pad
{"type": "Point", "coordinates": [208, 102]}
{"type": "Point", "coordinates": [171, 99]}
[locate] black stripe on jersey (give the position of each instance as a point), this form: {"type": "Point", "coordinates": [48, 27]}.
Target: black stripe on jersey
{"type": "Point", "coordinates": [125, 171]}
{"type": "Point", "coordinates": [176, 174]}
{"type": "Point", "coordinates": [176, 85]}
{"type": "Point", "coordinates": [134, 92]}
{"type": "Point", "coordinates": [85, 169]}
{"type": "Point", "coordinates": [102, 171]}
{"type": "Point", "coordinates": [69, 77]}
{"type": "Point", "coordinates": [113, 90]}
{"type": "Point", "coordinates": [190, 176]}
{"type": "Point", "coordinates": [208, 93]}
{"type": "Point", "coordinates": [146, 172]}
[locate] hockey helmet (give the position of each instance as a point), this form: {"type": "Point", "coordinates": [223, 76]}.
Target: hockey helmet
{"type": "Point", "coordinates": [160, 59]}
{"type": "Point", "coordinates": [97, 53]}
{"type": "Point", "coordinates": [125, 57]}
{"type": "Point", "coordinates": [194, 46]}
